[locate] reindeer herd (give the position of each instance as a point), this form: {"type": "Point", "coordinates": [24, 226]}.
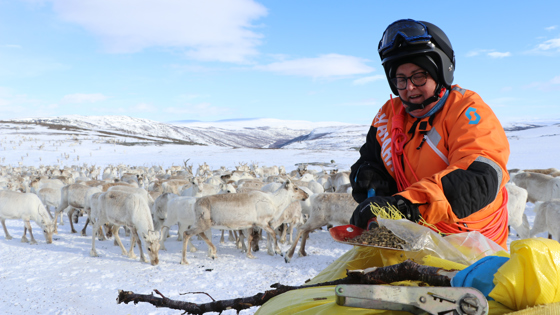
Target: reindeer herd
{"type": "Point", "coordinates": [542, 188]}
{"type": "Point", "coordinates": [148, 202]}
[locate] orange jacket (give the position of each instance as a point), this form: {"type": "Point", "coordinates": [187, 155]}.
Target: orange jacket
{"type": "Point", "coordinates": [453, 154]}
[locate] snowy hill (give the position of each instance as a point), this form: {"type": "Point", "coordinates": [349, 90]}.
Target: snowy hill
{"type": "Point", "coordinates": [102, 140]}
{"type": "Point", "coordinates": [249, 133]}
{"type": "Point", "coordinates": [258, 133]}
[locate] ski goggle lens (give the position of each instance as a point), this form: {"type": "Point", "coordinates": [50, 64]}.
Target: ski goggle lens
{"type": "Point", "coordinates": [410, 30]}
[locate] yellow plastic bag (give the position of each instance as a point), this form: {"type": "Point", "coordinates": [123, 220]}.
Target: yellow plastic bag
{"type": "Point", "coordinates": [531, 276]}
{"type": "Point", "coordinates": [321, 300]}
{"type": "Point", "coordinates": [314, 301]}
{"type": "Point", "coordinates": [428, 248]}
{"type": "Point", "coordinates": [359, 257]}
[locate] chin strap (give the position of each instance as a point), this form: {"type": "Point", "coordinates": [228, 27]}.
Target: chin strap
{"type": "Point", "coordinates": [412, 107]}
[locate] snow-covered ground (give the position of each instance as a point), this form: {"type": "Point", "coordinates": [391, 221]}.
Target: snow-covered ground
{"type": "Point", "coordinates": [62, 278]}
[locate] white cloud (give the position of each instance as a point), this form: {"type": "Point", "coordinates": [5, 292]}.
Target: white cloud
{"type": "Point", "coordinates": [551, 44]}
{"type": "Point", "coordinates": [548, 48]}
{"type": "Point", "coordinates": [477, 52]}
{"type": "Point", "coordinates": [496, 54]}
{"type": "Point", "coordinates": [367, 80]}
{"type": "Point", "coordinates": [212, 30]}
{"type": "Point", "coordinates": [551, 28]}
{"type": "Point", "coordinates": [83, 98]}
{"type": "Point", "coordinates": [323, 66]}
{"type": "Point", "coordinates": [489, 52]}
{"type": "Point", "coordinates": [551, 85]}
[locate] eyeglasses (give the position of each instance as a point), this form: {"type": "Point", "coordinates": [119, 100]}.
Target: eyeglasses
{"type": "Point", "coordinates": [411, 31]}
{"type": "Point", "coordinates": [418, 79]}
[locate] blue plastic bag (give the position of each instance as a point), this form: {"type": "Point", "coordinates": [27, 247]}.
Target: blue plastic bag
{"type": "Point", "coordinates": [480, 275]}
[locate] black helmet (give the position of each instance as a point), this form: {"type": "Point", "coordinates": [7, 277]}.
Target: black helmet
{"type": "Point", "coordinates": [406, 39]}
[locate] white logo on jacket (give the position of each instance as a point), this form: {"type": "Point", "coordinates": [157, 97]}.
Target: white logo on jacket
{"type": "Point", "coordinates": [380, 122]}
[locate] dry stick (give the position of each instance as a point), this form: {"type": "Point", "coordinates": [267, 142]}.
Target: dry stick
{"type": "Point", "coordinates": [407, 270]}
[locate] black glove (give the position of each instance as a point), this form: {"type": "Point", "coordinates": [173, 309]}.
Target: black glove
{"type": "Point", "coordinates": [369, 177]}
{"type": "Point", "coordinates": [362, 214]}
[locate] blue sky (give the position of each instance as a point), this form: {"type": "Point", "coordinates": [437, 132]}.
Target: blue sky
{"type": "Point", "coordinates": [211, 60]}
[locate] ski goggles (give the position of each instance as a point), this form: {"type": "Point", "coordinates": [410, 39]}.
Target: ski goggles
{"type": "Point", "coordinates": [411, 31]}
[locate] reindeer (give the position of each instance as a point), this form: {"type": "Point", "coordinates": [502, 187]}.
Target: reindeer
{"type": "Point", "coordinates": [241, 211]}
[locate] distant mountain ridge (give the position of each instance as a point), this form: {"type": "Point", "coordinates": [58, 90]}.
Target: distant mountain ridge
{"type": "Point", "coordinates": [262, 133]}
{"type": "Point", "coordinates": [235, 133]}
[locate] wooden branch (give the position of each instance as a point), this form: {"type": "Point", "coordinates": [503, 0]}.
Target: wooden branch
{"type": "Point", "coordinates": [407, 270]}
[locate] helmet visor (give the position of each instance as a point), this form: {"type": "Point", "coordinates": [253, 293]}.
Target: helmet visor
{"type": "Point", "coordinates": [411, 31]}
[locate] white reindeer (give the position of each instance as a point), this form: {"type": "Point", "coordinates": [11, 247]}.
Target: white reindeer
{"type": "Point", "coordinates": [291, 218]}
{"type": "Point", "coordinates": [270, 171]}
{"type": "Point", "coordinates": [144, 193]}
{"type": "Point", "coordinates": [25, 206]}
{"type": "Point", "coordinates": [74, 196]}
{"type": "Point", "coordinates": [337, 180]}
{"type": "Point", "coordinates": [241, 211]}
{"type": "Point", "coordinates": [517, 200]}
{"type": "Point", "coordinates": [200, 189]}
{"type": "Point", "coordinates": [256, 169]}
{"type": "Point", "coordinates": [132, 178]}
{"type": "Point", "coordinates": [326, 208]}
{"type": "Point", "coordinates": [120, 208]}
{"type": "Point", "coordinates": [93, 202]}
{"type": "Point", "coordinates": [50, 197]}
{"type": "Point", "coordinates": [547, 218]}
{"type": "Point", "coordinates": [195, 186]}
{"type": "Point", "coordinates": [130, 189]}
{"type": "Point", "coordinates": [37, 184]}
{"type": "Point", "coordinates": [540, 187]}
{"type": "Point", "coordinates": [247, 185]}
{"type": "Point", "coordinates": [174, 185]}
{"type": "Point", "coordinates": [313, 185]}
{"type": "Point", "coordinates": [344, 189]}
{"type": "Point", "coordinates": [180, 210]}
{"type": "Point", "coordinates": [549, 171]}
{"type": "Point", "coordinates": [110, 173]}
{"type": "Point", "coordinates": [159, 210]}
{"type": "Point", "coordinates": [203, 170]}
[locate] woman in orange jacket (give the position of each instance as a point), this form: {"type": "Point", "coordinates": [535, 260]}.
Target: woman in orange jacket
{"type": "Point", "coordinates": [437, 153]}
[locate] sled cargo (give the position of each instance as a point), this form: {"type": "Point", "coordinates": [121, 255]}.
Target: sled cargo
{"type": "Point", "coordinates": [528, 283]}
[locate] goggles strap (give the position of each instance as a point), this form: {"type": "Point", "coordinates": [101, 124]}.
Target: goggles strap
{"type": "Point", "coordinates": [412, 106]}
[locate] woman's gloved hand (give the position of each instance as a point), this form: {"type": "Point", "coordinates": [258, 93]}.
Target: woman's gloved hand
{"type": "Point", "coordinates": [366, 178]}
{"type": "Point", "coordinates": [362, 214]}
